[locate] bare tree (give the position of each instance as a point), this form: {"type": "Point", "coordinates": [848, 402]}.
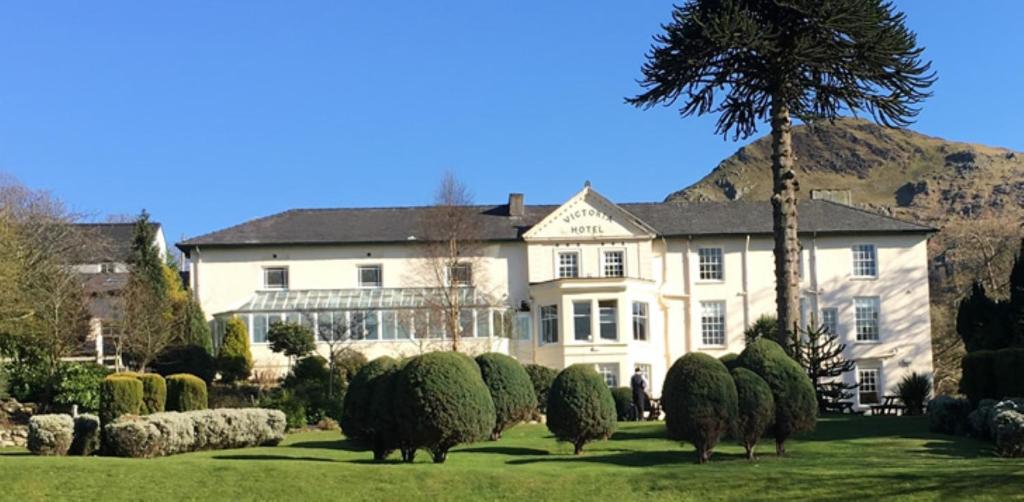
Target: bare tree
{"type": "Point", "coordinates": [450, 266]}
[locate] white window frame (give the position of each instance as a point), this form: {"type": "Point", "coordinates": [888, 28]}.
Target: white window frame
{"type": "Point", "coordinates": [876, 304]}
{"type": "Point", "coordinates": [644, 317]}
{"type": "Point", "coordinates": [380, 275]}
{"type": "Point", "coordinates": [607, 370]}
{"type": "Point", "coordinates": [858, 261]}
{"type": "Point", "coordinates": [710, 252]}
{"type": "Point", "coordinates": [287, 278]}
{"type": "Point", "coordinates": [604, 262]}
{"type": "Point", "coordinates": [558, 263]}
{"type": "Point", "coordinates": [861, 372]}
{"type": "Point", "coordinates": [705, 328]}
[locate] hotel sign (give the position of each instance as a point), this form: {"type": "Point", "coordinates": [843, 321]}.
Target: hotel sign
{"type": "Point", "coordinates": [587, 221]}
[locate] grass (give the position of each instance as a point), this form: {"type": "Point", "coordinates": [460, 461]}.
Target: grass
{"type": "Point", "coordinates": [846, 458]}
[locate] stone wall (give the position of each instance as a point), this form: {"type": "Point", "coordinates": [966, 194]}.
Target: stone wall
{"type": "Point", "coordinates": [14, 422]}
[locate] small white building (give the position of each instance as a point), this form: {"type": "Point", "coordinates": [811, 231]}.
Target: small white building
{"type": "Point", "coordinates": [618, 286]}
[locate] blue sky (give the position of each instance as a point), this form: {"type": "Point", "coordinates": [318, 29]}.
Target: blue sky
{"type": "Point", "coordinates": [211, 113]}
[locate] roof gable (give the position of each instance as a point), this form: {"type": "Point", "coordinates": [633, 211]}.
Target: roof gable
{"type": "Point", "coordinates": [588, 215]}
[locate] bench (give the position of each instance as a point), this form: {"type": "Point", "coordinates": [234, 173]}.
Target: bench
{"type": "Point", "coordinates": [890, 406]}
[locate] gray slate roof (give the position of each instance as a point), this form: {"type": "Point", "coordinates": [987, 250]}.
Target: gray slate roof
{"type": "Point", "coordinates": [400, 224]}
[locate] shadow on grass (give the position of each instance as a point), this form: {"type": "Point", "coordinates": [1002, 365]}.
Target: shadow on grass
{"type": "Point", "coordinates": [631, 458]}
{"type": "Point", "coordinates": [271, 457]}
{"type": "Point", "coordinates": [504, 450]}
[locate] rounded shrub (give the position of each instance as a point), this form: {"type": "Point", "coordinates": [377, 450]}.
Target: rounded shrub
{"type": "Point", "coordinates": [623, 397]}
{"type": "Point", "coordinates": [441, 401]}
{"type": "Point", "coordinates": [154, 393]}
{"type": "Point", "coordinates": [234, 359]}
{"type": "Point", "coordinates": [730, 360]}
{"type": "Point", "coordinates": [796, 406]}
{"type": "Point", "coordinates": [186, 393]}
{"type": "Point", "coordinates": [755, 408]}
{"type": "Point", "coordinates": [358, 421]}
{"type": "Point", "coordinates": [580, 407]}
{"type": "Point", "coordinates": [541, 377]}
{"type": "Point", "coordinates": [511, 390]}
{"type": "Point", "coordinates": [699, 400]}
{"type": "Point", "coordinates": [120, 394]}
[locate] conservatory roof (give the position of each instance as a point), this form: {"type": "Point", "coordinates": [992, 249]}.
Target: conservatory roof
{"type": "Point", "coordinates": [355, 299]}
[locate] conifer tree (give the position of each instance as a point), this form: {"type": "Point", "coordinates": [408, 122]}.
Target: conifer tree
{"type": "Point", "coordinates": [756, 61]}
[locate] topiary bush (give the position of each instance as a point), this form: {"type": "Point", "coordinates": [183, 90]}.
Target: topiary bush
{"type": "Point", "coordinates": [979, 380]}
{"type": "Point", "coordinates": [441, 401]}
{"type": "Point", "coordinates": [191, 359]}
{"type": "Point", "coordinates": [580, 407]}
{"type": "Point", "coordinates": [623, 397]}
{"type": "Point", "coordinates": [541, 377]}
{"type": "Point", "coordinates": [1008, 369]}
{"type": "Point", "coordinates": [1008, 429]}
{"type": "Point", "coordinates": [154, 393]}
{"type": "Point", "coordinates": [948, 415]}
{"type": "Point", "coordinates": [914, 390]}
{"type": "Point", "coordinates": [796, 406]}
{"type": "Point", "coordinates": [755, 408]}
{"type": "Point", "coordinates": [234, 359]}
{"type": "Point", "coordinates": [50, 434]}
{"type": "Point", "coordinates": [730, 360]}
{"type": "Point", "coordinates": [79, 384]}
{"type": "Point", "coordinates": [86, 440]}
{"type": "Point", "coordinates": [186, 393]}
{"type": "Point", "coordinates": [358, 420]}
{"type": "Point", "coordinates": [699, 400]}
{"type": "Point", "coordinates": [120, 394]}
{"type": "Point", "coordinates": [511, 390]}
{"type": "Point", "coordinates": [170, 433]}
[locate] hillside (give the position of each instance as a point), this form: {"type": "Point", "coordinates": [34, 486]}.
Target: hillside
{"type": "Point", "coordinates": [973, 193]}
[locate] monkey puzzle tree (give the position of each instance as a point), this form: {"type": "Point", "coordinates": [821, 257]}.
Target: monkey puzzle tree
{"type": "Point", "coordinates": [753, 61]}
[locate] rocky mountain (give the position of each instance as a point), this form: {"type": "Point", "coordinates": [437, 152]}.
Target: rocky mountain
{"type": "Point", "coordinates": [973, 193]}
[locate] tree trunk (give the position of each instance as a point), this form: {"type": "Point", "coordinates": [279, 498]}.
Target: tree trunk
{"type": "Point", "coordinates": [784, 222]}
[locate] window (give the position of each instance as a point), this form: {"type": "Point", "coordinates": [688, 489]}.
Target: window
{"type": "Point", "coordinates": [865, 261]}
{"type": "Point", "coordinates": [259, 328]}
{"type": "Point", "coordinates": [568, 264]}
{"type": "Point", "coordinates": [710, 263]}
{"type": "Point", "coordinates": [712, 323]}
{"type": "Point", "coordinates": [640, 321]}
{"type": "Point", "coordinates": [830, 320]}
{"type": "Point", "coordinates": [549, 324]}
{"type": "Point", "coordinates": [614, 264]}
{"type": "Point", "coordinates": [867, 381]}
{"type": "Point", "coordinates": [461, 274]}
{"type": "Point", "coordinates": [866, 319]}
{"type": "Point", "coordinates": [609, 373]}
{"type": "Point", "coordinates": [107, 268]}
{"type": "Point", "coordinates": [275, 278]}
{"type": "Point", "coordinates": [370, 276]}
{"type": "Point", "coordinates": [607, 313]}
{"type": "Point", "coordinates": [581, 315]}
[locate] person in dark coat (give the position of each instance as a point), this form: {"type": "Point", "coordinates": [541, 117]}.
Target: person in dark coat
{"type": "Point", "coordinates": [639, 386]}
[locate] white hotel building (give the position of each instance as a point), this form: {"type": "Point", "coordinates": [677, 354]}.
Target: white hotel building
{"type": "Point", "coordinates": [619, 286]}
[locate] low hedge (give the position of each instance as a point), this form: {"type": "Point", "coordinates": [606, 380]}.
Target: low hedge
{"type": "Point", "coordinates": [50, 434]}
{"type": "Point", "coordinates": [87, 435]}
{"type": "Point", "coordinates": [186, 393]}
{"type": "Point", "coordinates": [154, 393]}
{"type": "Point", "coordinates": [120, 394]}
{"type": "Point", "coordinates": [170, 433]}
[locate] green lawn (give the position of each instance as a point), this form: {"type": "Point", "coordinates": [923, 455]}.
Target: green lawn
{"type": "Point", "coordinates": [847, 458]}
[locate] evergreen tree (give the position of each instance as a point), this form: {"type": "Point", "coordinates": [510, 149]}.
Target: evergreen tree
{"type": "Point", "coordinates": [752, 61]}
{"type": "Point", "coordinates": [820, 354]}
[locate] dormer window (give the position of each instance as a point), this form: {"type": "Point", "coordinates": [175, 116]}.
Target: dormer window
{"type": "Point", "coordinates": [275, 277]}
